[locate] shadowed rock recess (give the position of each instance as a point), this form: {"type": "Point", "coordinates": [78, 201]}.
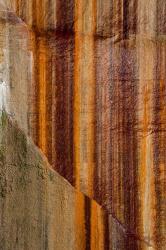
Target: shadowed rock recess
{"type": "Point", "coordinates": [82, 124]}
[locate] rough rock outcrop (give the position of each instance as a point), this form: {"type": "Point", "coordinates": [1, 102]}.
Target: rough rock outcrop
{"type": "Point", "coordinates": [95, 96]}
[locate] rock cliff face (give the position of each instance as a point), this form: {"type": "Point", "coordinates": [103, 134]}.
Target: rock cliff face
{"type": "Point", "coordinates": [39, 209]}
{"type": "Point", "coordinates": [86, 81]}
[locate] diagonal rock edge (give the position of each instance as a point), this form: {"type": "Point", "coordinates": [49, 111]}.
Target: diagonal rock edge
{"type": "Point", "coordinates": [41, 210]}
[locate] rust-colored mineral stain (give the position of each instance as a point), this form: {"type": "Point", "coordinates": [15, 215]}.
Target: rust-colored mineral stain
{"type": "Point", "coordinates": [97, 227]}
{"type": "Point", "coordinates": [84, 90]}
{"type": "Point", "coordinates": [40, 14]}
{"type": "Point", "coordinates": [146, 178]}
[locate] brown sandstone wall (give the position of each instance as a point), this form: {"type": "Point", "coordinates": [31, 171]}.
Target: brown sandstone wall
{"type": "Point", "coordinates": [98, 104]}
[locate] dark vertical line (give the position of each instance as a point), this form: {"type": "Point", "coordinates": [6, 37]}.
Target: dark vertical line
{"type": "Point", "coordinates": [158, 155]}
{"type": "Point", "coordinates": [71, 111]}
{"type": "Point", "coordinates": [65, 15]}
{"type": "Point", "coordinates": [113, 135]}
{"type": "Point", "coordinates": [135, 17]}
{"type": "Point", "coordinates": [48, 100]}
{"type": "Point", "coordinates": [125, 18]}
{"type": "Point", "coordinates": [34, 14]}
{"type": "Point", "coordinates": [129, 142]}
{"type": "Point", "coordinates": [106, 232]}
{"type": "Point", "coordinates": [129, 18]}
{"type": "Point", "coordinates": [64, 82]}
{"type": "Point", "coordinates": [87, 223]}
{"type": "Point", "coordinates": [61, 125]}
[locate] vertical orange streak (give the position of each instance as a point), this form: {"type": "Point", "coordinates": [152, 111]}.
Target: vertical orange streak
{"type": "Point", "coordinates": [146, 175]}
{"type": "Point", "coordinates": [97, 227]}
{"type": "Point", "coordinates": [84, 91]}
{"type": "Point", "coordinates": [42, 95]}
{"type": "Point", "coordinates": [17, 6]}
{"type": "Point", "coordinates": [40, 14]}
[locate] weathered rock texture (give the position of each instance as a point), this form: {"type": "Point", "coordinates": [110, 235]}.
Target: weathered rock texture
{"type": "Point", "coordinates": [38, 208]}
{"type": "Point", "coordinates": [96, 103]}
{"type": "Point", "coordinates": [15, 67]}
